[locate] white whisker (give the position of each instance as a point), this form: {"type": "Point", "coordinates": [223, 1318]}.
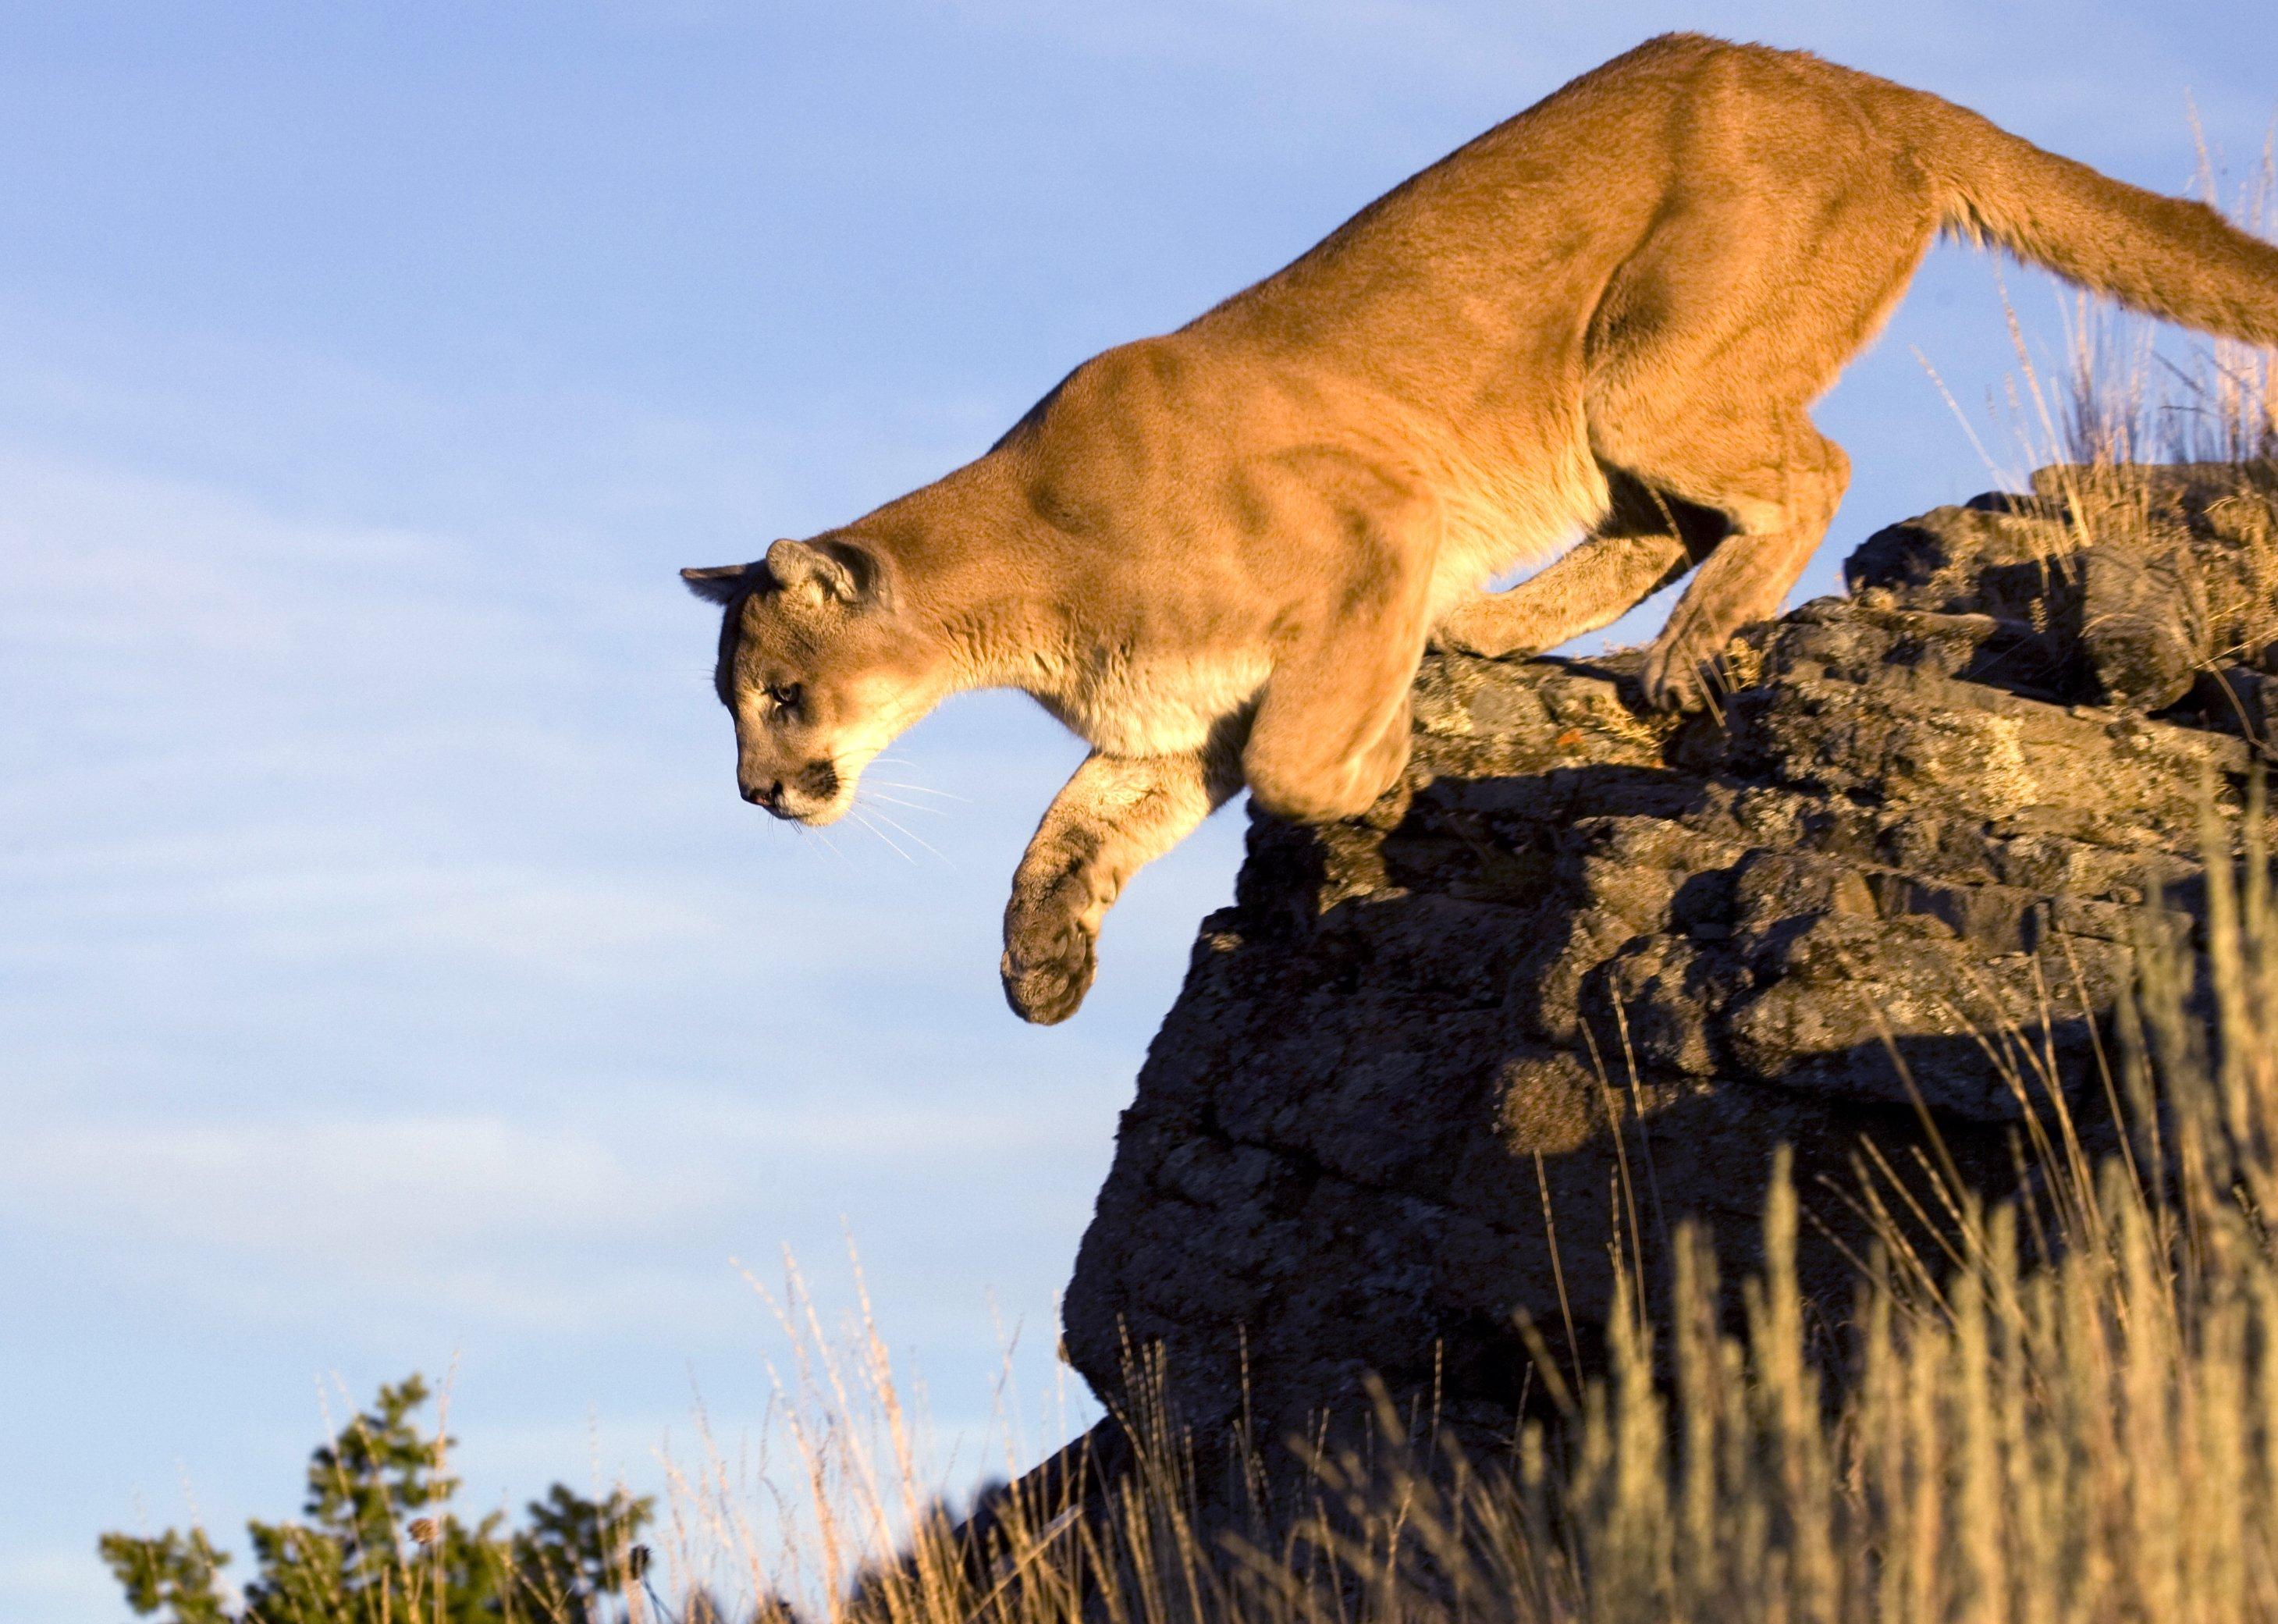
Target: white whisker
{"type": "Point", "coordinates": [915, 789]}
{"type": "Point", "coordinates": [910, 835]}
{"type": "Point", "coordinates": [906, 806]}
{"type": "Point", "coordinates": [863, 815]}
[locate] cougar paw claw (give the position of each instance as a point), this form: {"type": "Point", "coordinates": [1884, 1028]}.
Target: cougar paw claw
{"type": "Point", "coordinates": [1047, 968]}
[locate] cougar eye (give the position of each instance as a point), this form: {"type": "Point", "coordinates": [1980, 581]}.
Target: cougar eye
{"type": "Point", "coordinates": [784, 695]}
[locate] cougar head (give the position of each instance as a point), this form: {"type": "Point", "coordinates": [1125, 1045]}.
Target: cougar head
{"type": "Point", "coordinates": [816, 667]}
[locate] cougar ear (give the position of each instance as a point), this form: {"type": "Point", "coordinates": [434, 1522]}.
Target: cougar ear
{"type": "Point", "coordinates": [839, 570]}
{"type": "Point", "coordinates": [718, 583]}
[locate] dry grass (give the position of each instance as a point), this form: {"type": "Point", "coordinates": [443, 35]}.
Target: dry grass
{"type": "Point", "coordinates": [2129, 394]}
{"type": "Point", "coordinates": [2072, 1414]}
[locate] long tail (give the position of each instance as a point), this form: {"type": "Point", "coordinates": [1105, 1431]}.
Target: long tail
{"type": "Point", "coordinates": [2169, 258]}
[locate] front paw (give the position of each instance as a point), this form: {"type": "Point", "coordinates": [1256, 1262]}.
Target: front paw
{"type": "Point", "coordinates": [1479, 629]}
{"type": "Point", "coordinates": [1447, 642]}
{"type": "Point", "coordinates": [1048, 964]}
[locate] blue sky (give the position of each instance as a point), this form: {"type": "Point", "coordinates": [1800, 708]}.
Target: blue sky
{"type": "Point", "coordinates": [389, 975]}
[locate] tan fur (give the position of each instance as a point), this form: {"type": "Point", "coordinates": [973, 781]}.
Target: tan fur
{"type": "Point", "coordinates": [1218, 554]}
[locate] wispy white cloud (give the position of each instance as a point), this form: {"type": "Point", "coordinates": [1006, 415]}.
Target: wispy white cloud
{"type": "Point", "coordinates": [333, 1191]}
{"type": "Point", "coordinates": [336, 1188]}
{"type": "Point", "coordinates": [499, 1220]}
{"type": "Point", "coordinates": [561, 479]}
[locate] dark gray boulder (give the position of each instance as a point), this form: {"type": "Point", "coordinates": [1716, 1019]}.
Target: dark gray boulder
{"type": "Point", "coordinates": [1591, 964]}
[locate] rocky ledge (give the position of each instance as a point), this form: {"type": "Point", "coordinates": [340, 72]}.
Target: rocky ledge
{"type": "Point", "coordinates": [1584, 971]}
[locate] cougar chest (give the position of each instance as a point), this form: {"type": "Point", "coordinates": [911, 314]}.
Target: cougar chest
{"type": "Point", "coordinates": [1149, 705]}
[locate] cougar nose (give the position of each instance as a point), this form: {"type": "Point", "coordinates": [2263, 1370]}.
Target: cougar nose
{"type": "Point", "coordinates": [764, 794]}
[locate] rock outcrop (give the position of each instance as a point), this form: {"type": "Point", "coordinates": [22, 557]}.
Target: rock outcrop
{"type": "Point", "coordinates": [1590, 965]}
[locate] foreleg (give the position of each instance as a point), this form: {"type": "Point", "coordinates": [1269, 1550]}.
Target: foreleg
{"type": "Point", "coordinates": [1330, 733]}
{"type": "Point", "coordinates": [1646, 541]}
{"type": "Point", "coordinates": [1593, 585]}
{"type": "Point", "coordinates": [1116, 815]}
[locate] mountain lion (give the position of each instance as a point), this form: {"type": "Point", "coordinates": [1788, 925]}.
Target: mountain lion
{"type": "Point", "coordinates": [1219, 554]}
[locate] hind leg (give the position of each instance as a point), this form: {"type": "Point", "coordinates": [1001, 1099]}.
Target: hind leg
{"type": "Point", "coordinates": [1645, 541]}
{"type": "Point", "coordinates": [1736, 313]}
{"type": "Point", "coordinates": [1778, 481]}
{"type": "Point", "coordinates": [1779, 515]}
